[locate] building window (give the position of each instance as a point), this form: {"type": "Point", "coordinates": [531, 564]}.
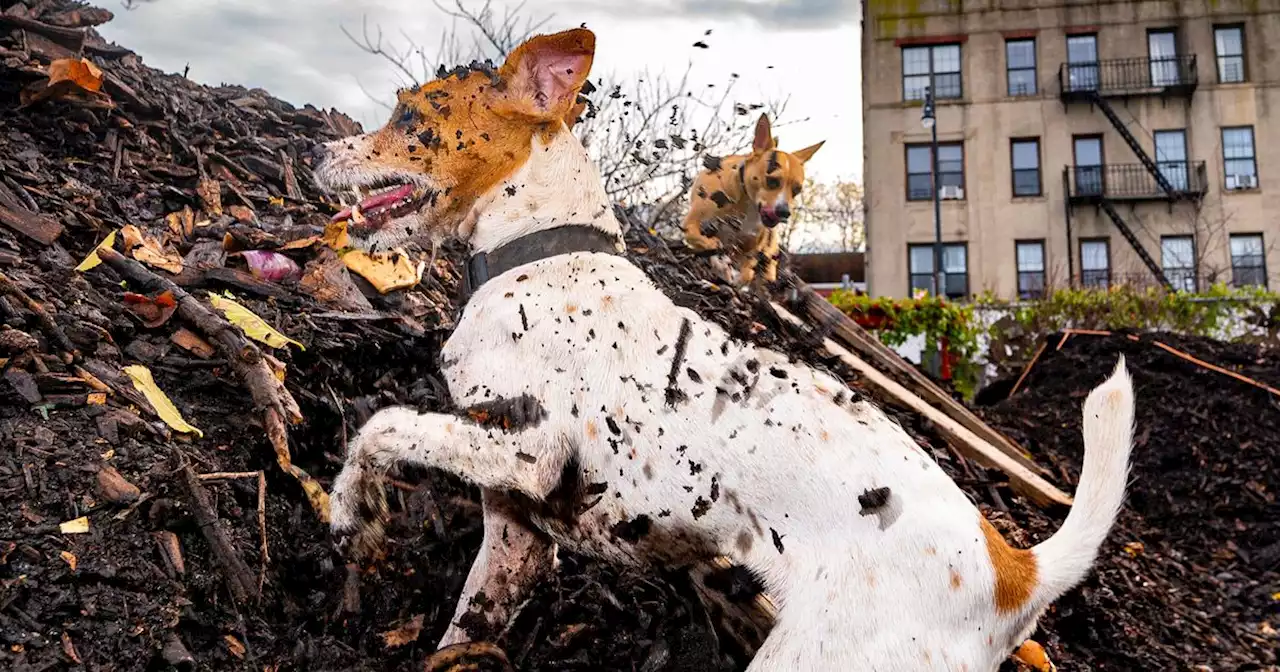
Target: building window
{"type": "Point", "coordinates": [1178, 258]}
{"type": "Point", "coordinates": [955, 269]}
{"type": "Point", "coordinates": [1082, 62]}
{"type": "Point", "coordinates": [1162, 48]}
{"type": "Point", "coordinates": [1026, 167]}
{"type": "Point", "coordinates": [1228, 44]}
{"type": "Point", "coordinates": [1095, 263]}
{"type": "Point", "coordinates": [937, 66]}
{"type": "Point", "coordinates": [1087, 150]}
{"type": "Point", "coordinates": [1171, 158]}
{"type": "Point", "coordinates": [950, 170]}
{"type": "Point", "coordinates": [1020, 57]}
{"type": "Point", "coordinates": [1238, 159]}
{"type": "Point", "coordinates": [1030, 255]}
{"type": "Point", "coordinates": [1248, 260]}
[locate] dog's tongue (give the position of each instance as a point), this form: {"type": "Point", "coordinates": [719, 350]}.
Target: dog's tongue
{"type": "Point", "coordinates": [376, 201]}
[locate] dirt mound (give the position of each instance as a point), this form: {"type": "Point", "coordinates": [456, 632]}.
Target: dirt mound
{"type": "Point", "coordinates": [1191, 572]}
{"type": "Point", "coordinates": [171, 570]}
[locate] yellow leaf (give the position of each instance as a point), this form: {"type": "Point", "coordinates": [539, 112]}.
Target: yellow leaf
{"type": "Point", "coordinates": [1134, 548]}
{"type": "Point", "coordinates": [78, 526]}
{"type": "Point", "coordinates": [316, 496]}
{"type": "Point", "coordinates": [81, 71]}
{"type": "Point", "coordinates": [276, 201]}
{"type": "Point", "coordinates": [253, 326]}
{"type": "Point", "coordinates": [237, 649]}
{"type": "Point", "coordinates": [93, 260]}
{"type": "Point", "coordinates": [69, 558]}
{"type": "Point", "coordinates": [335, 235]}
{"type": "Point", "coordinates": [387, 272]}
{"type": "Point", "coordinates": [96, 398]}
{"type": "Point", "coordinates": [146, 384]}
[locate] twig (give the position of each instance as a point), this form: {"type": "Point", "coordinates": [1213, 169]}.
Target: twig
{"type": "Point", "coordinates": [1065, 336]}
{"type": "Point", "coordinates": [51, 328]}
{"type": "Point", "coordinates": [1218, 369]}
{"type": "Point", "coordinates": [250, 364]}
{"type": "Point", "coordinates": [237, 573]}
{"type": "Point", "coordinates": [262, 513]}
{"type": "Point", "coordinates": [1027, 370]}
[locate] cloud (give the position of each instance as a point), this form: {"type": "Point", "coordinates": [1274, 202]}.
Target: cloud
{"type": "Point", "coordinates": [769, 14]}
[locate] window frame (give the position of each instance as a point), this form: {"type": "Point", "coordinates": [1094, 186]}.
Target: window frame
{"type": "Point", "coordinates": [1106, 278]}
{"type": "Point", "coordinates": [1094, 67]}
{"type": "Point", "coordinates": [1261, 266]}
{"type": "Point", "coordinates": [1043, 272]}
{"type": "Point", "coordinates": [912, 274]}
{"type": "Point", "coordinates": [1014, 170]}
{"type": "Point", "coordinates": [934, 164]}
{"type": "Point", "coordinates": [1195, 281]}
{"type": "Point", "coordinates": [1034, 68]}
{"type": "Point", "coordinates": [932, 73]}
{"type": "Point", "coordinates": [1163, 65]}
{"type": "Point", "coordinates": [1252, 158]}
{"type": "Point", "coordinates": [1219, 56]}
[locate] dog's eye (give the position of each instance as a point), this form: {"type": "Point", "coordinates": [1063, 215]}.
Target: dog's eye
{"type": "Point", "coordinates": [773, 183]}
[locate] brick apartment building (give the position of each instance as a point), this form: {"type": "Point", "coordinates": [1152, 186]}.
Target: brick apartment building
{"type": "Point", "coordinates": [1079, 142]}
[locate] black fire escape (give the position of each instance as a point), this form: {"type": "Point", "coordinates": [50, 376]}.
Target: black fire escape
{"type": "Point", "coordinates": [1109, 184]}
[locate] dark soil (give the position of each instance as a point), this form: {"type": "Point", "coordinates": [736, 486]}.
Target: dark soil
{"type": "Point", "coordinates": [112, 598]}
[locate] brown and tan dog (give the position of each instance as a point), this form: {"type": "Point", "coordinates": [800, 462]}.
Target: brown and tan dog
{"type": "Point", "coordinates": [738, 201]}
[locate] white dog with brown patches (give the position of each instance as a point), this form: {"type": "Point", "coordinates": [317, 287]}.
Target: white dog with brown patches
{"type": "Point", "coordinates": [602, 417]}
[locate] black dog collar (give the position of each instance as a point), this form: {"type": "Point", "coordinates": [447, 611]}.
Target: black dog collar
{"type": "Point", "coordinates": [537, 245]}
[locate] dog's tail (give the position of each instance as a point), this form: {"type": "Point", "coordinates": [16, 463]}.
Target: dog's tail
{"type": "Point", "coordinates": [1063, 560]}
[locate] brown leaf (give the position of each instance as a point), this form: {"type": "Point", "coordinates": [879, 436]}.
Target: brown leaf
{"type": "Point", "coordinates": [153, 311]}
{"type": "Point", "coordinates": [149, 250]}
{"type": "Point", "coordinates": [405, 634]}
{"type": "Point", "coordinates": [69, 558]}
{"type": "Point", "coordinates": [242, 214]}
{"type": "Point", "coordinates": [191, 342]}
{"type": "Point", "coordinates": [69, 78]}
{"type": "Point", "coordinates": [210, 192]}
{"type": "Point", "coordinates": [182, 223]}
{"type": "Point", "coordinates": [115, 488]}
{"type": "Point", "coordinates": [237, 649]}
{"type": "Point", "coordinates": [70, 649]}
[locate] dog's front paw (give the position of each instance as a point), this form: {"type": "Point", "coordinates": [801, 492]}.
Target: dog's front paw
{"type": "Point", "coordinates": [358, 515]}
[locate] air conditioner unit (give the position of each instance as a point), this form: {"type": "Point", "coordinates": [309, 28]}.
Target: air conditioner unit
{"type": "Point", "coordinates": [951, 192]}
{"type": "Point", "coordinates": [1235, 182]}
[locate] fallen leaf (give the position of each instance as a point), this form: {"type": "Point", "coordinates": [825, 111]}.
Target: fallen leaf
{"type": "Point", "coordinates": [149, 250]}
{"type": "Point", "coordinates": [386, 271]}
{"type": "Point", "coordinates": [1134, 548]}
{"type": "Point", "coordinates": [153, 311]}
{"type": "Point", "coordinates": [182, 223]}
{"type": "Point", "coordinates": [301, 243]}
{"type": "Point", "coordinates": [276, 201]}
{"type": "Point", "coordinates": [188, 340]}
{"type": "Point", "coordinates": [237, 649]}
{"type": "Point", "coordinates": [70, 649]}
{"type": "Point", "coordinates": [405, 634]}
{"type": "Point", "coordinates": [210, 193]}
{"type": "Point", "coordinates": [93, 260]}
{"type": "Point", "coordinates": [96, 398]}
{"type": "Point", "coordinates": [146, 384]}
{"type": "Point", "coordinates": [69, 558]}
{"type": "Point", "coordinates": [69, 78]}
{"type": "Point", "coordinates": [115, 488]}
{"type": "Point", "coordinates": [335, 235]}
{"type": "Point", "coordinates": [253, 326]}
{"type": "Point", "coordinates": [1266, 629]}
{"type": "Point", "coordinates": [242, 214]}
{"type": "Point", "coordinates": [78, 526]}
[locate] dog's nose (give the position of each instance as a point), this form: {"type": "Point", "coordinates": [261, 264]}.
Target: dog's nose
{"type": "Point", "coordinates": [783, 212]}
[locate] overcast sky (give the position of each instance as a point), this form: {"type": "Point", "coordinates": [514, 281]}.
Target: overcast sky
{"type": "Point", "coordinates": [296, 50]}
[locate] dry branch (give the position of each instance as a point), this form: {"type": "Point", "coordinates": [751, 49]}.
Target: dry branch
{"type": "Point", "coordinates": [239, 580]}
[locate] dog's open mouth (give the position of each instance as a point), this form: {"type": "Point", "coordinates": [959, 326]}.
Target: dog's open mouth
{"type": "Point", "coordinates": [374, 207]}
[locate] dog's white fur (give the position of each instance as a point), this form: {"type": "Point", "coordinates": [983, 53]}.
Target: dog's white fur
{"type": "Point", "coordinates": [759, 458]}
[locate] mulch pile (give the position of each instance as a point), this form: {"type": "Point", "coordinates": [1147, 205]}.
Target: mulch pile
{"type": "Point", "coordinates": [125, 544]}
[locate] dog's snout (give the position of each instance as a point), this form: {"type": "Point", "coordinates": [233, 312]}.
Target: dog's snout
{"type": "Point", "coordinates": [783, 212]}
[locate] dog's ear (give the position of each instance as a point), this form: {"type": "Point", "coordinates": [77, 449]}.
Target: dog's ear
{"type": "Point", "coordinates": [807, 153]}
{"type": "Point", "coordinates": [542, 77]}
{"type": "Point", "coordinates": [764, 135]}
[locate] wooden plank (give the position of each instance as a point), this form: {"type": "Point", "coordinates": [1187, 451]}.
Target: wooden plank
{"type": "Point", "coordinates": [39, 228]}
{"type": "Point", "coordinates": [890, 363]}
{"type": "Point", "coordinates": [1023, 480]}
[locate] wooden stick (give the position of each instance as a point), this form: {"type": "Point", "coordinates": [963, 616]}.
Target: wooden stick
{"type": "Point", "coordinates": [250, 364]}
{"type": "Point", "coordinates": [889, 363]}
{"type": "Point", "coordinates": [1021, 479]}
{"type": "Point", "coordinates": [1065, 335]}
{"type": "Point", "coordinates": [1026, 370]}
{"type": "Point", "coordinates": [51, 328]}
{"type": "Point", "coordinates": [1087, 332]}
{"type": "Point", "coordinates": [261, 476]}
{"type": "Point", "coordinates": [237, 573]}
{"type": "Point", "coordinates": [1218, 369]}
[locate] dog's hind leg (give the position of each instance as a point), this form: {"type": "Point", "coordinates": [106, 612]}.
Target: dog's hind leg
{"type": "Point", "coordinates": [512, 559]}
{"type": "Point", "coordinates": [527, 459]}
